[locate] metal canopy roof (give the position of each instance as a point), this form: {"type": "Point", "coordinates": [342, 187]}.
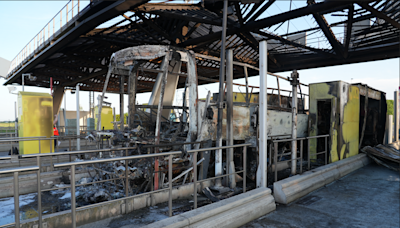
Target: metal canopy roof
{"type": "Point", "coordinates": [81, 53]}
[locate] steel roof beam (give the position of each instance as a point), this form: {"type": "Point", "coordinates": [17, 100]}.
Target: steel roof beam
{"type": "Point", "coordinates": [348, 30]}
{"type": "Point", "coordinates": [294, 44]}
{"type": "Point", "coordinates": [156, 27]}
{"type": "Point", "coordinates": [326, 29]}
{"type": "Point", "coordinates": [169, 14]}
{"type": "Point", "coordinates": [239, 13]}
{"type": "Point", "coordinates": [379, 14]}
{"type": "Point", "coordinates": [267, 22]}
{"type": "Point", "coordinates": [253, 9]}
{"type": "Point", "coordinates": [143, 29]}
{"type": "Point", "coordinates": [78, 80]}
{"type": "Point", "coordinates": [260, 11]}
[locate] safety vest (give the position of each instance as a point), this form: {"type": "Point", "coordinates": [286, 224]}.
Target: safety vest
{"type": "Point", "coordinates": [55, 131]}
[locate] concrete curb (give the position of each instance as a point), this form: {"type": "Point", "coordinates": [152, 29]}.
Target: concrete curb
{"type": "Point", "coordinates": [231, 212]}
{"type": "Point", "coordinates": [295, 187]}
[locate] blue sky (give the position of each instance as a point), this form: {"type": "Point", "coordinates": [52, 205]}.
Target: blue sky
{"type": "Point", "coordinates": [20, 21]}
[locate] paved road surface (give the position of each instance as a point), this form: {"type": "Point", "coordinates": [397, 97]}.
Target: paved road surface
{"type": "Point", "coordinates": [368, 197]}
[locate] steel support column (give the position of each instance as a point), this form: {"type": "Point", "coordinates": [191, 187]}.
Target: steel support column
{"type": "Point", "coordinates": [218, 153]}
{"type": "Point", "coordinates": [132, 95]}
{"type": "Point", "coordinates": [121, 102]}
{"type": "Point", "coordinates": [229, 117]}
{"type": "Point", "coordinates": [262, 161]}
{"type": "Point", "coordinates": [57, 99]}
{"type": "Point", "coordinates": [294, 82]}
{"type": "Point", "coordinates": [78, 132]}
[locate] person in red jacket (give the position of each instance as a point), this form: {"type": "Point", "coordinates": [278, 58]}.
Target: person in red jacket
{"type": "Point", "coordinates": [55, 131]}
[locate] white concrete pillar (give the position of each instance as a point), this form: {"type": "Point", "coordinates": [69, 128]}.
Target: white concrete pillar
{"type": "Point", "coordinates": [390, 129]}
{"type": "Point", "coordinates": [262, 165]}
{"type": "Point", "coordinates": [294, 83]}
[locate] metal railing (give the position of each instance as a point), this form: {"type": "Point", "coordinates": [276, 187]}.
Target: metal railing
{"type": "Point", "coordinates": [13, 140]}
{"type": "Point", "coordinates": [71, 130]}
{"type": "Point", "coordinates": [72, 166]}
{"type": "Point", "coordinates": [277, 161]}
{"type": "Point", "coordinates": [40, 139]}
{"type": "Point", "coordinates": [48, 33]}
{"type": "Point", "coordinates": [317, 153]}
{"type": "Point", "coordinates": [73, 185]}
{"type": "Point", "coordinates": [195, 181]}
{"type": "Point", "coordinates": [70, 153]}
{"type": "Point", "coordinates": [7, 130]}
{"type": "Point", "coordinates": [38, 168]}
{"type": "Point", "coordinates": [7, 134]}
{"type": "Point", "coordinates": [16, 171]}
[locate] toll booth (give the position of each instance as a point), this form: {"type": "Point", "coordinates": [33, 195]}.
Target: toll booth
{"type": "Point", "coordinates": [334, 110]}
{"type": "Point", "coordinates": [106, 117]}
{"type": "Point", "coordinates": [35, 118]}
{"type": "Point", "coordinates": [343, 111]}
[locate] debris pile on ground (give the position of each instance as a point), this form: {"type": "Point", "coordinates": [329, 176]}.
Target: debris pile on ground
{"type": "Point", "coordinates": [139, 173]}
{"type": "Point", "coordinates": [385, 155]}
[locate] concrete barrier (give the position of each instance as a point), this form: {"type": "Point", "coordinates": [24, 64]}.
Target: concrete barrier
{"type": "Point", "coordinates": [396, 144]}
{"type": "Point", "coordinates": [231, 212]}
{"type": "Point", "coordinates": [295, 187]}
{"type": "Point", "coordinates": [112, 208]}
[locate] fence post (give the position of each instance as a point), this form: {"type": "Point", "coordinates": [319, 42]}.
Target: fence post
{"type": "Point", "coordinates": [16, 199]}
{"type": "Point", "coordinates": [195, 178]}
{"type": "Point", "coordinates": [39, 193]}
{"type": "Point", "coordinates": [66, 15]}
{"type": "Point", "coordinates": [270, 155]}
{"type": "Point", "coordinates": [276, 160]}
{"type": "Point", "coordinates": [39, 147]}
{"type": "Point", "coordinates": [51, 157]}
{"type": "Point", "coordinates": [245, 168]}
{"type": "Point", "coordinates": [170, 185]}
{"type": "Point", "coordinates": [301, 156]}
{"type": "Point", "coordinates": [326, 150]}
{"type": "Point", "coordinates": [126, 185]}
{"type": "Point", "coordinates": [73, 200]}
{"type": "Point", "coordinates": [308, 153]}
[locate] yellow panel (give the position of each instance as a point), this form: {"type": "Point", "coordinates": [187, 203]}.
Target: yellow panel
{"type": "Point", "coordinates": [350, 126]}
{"type": "Point", "coordinates": [106, 117]}
{"type": "Point", "coordinates": [344, 130]}
{"type": "Point", "coordinates": [241, 97]}
{"type": "Point", "coordinates": [35, 113]}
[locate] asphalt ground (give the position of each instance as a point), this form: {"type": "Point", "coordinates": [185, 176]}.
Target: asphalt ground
{"type": "Point", "coordinates": [368, 197]}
